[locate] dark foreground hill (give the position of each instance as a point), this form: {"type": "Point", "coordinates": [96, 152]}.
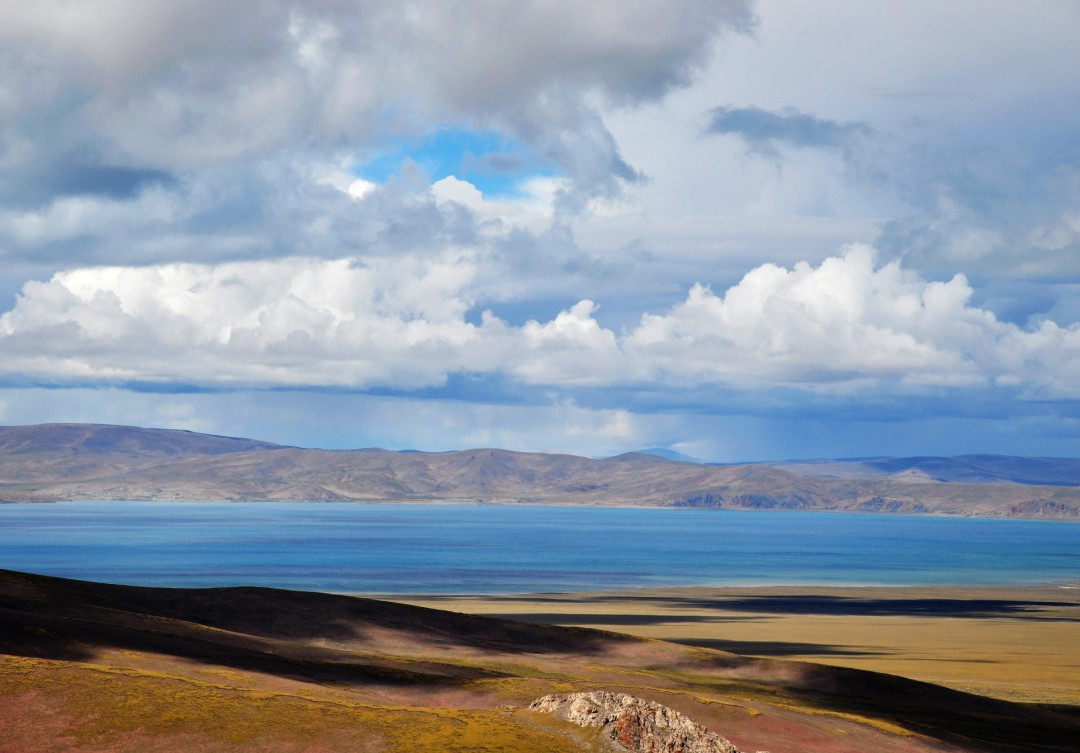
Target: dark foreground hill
{"type": "Point", "coordinates": [94, 667]}
{"type": "Point", "coordinates": [81, 461]}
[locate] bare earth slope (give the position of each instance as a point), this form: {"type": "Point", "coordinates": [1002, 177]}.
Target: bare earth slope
{"type": "Point", "coordinates": [80, 461]}
{"type": "Point", "coordinates": [91, 667]}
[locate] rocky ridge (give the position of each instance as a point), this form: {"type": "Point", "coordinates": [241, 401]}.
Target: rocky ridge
{"type": "Point", "coordinates": [634, 724]}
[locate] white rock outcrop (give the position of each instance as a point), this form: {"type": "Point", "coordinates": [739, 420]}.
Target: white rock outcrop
{"type": "Point", "coordinates": [634, 723]}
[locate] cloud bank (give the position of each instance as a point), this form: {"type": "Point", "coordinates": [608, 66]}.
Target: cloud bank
{"type": "Point", "coordinates": [846, 324]}
{"type": "Point", "coordinates": [116, 96]}
{"type": "Point", "coordinates": [319, 207]}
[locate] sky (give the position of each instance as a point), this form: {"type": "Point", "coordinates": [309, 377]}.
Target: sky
{"type": "Point", "coordinates": [737, 230]}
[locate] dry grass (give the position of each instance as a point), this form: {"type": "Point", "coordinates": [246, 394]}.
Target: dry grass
{"type": "Point", "coordinates": [120, 670]}
{"type": "Point", "coordinates": [1019, 644]}
{"type": "Point", "coordinates": [113, 709]}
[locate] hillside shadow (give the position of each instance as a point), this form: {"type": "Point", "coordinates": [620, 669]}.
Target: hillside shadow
{"type": "Point", "coordinates": [80, 634]}
{"type": "Point", "coordinates": [773, 648]}
{"type": "Point", "coordinates": [974, 723]}
{"type": "Point", "coordinates": [616, 619]}
{"type": "Point", "coordinates": [847, 606]}
{"type": "Point", "coordinates": [322, 667]}
{"type": "Point", "coordinates": [970, 721]}
{"type": "Point", "coordinates": [909, 607]}
{"type": "Point", "coordinates": [35, 639]}
{"type": "Point", "coordinates": [265, 630]}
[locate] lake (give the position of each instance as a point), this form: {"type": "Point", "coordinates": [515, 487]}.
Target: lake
{"type": "Point", "coordinates": [482, 549]}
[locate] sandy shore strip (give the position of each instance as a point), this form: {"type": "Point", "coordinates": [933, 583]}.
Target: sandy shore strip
{"type": "Point", "coordinates": [1017, 643]}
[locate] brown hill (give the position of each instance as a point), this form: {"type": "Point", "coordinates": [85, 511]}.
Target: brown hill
{"type": "Point", "coordinates": [92, 667]}
{"type": "Point", "coordinates": [1039, 471]}
{"type": "Point", "coordinates": [80, 461]}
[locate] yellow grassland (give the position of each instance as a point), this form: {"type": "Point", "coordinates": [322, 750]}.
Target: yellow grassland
{"type": "Point", "coordinates": [111, 708]}
{"type": "Point", "coordinates": [1028, 653]}
{"type": "Point", "coordinates": [111, 669]}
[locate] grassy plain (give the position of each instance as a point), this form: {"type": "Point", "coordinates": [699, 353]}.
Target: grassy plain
{"type": "Point", "coordinates": [1016, 643]}
{"type": "Point", "coordinates": [101, 668]}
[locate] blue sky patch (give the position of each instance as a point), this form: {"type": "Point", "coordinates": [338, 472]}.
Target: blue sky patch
{"type": "Point", "coordinates": [489, 160]}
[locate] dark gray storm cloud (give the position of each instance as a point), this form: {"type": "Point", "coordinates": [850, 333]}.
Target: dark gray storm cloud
{"type": "Point", "coordinates": [154, 101]}
{"type": "Point", "coordinates": [765, 132]}
{"type": "Point", "coordinates": [993, 199]}
{"type": "Point", "coordinates": [76, 174]}
{"type": "Point", "coordinates": [1008, 213]}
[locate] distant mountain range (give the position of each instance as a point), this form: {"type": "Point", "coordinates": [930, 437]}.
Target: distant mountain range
{"type": "Point", "coordinates": [669, 454]}
{"type": "Point", "coordinates": [972, 469]}
{"type": "Point", "coordinates": [53, 462]}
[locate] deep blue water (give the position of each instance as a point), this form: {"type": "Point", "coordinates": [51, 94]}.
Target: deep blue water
{"type": "Point", "coordinates": [390, 548]}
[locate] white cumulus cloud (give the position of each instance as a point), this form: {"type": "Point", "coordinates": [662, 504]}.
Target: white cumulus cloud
{"type": "Point", "coordinates": [406, 322]}
{"type": "Point", "coordinates": [847, 321]}
{"type": "Point", "coordinates": [295, 321]}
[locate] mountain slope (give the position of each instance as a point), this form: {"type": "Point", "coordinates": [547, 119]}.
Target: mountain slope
{"type": "Point", "coordinates": [962, 468]}
{"type": "Point", "coordinates": [77, 461]}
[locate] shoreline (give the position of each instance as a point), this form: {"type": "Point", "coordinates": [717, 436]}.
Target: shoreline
{"type": "Point", "coordinates": [467, 502]}
{"type": "Point", "coordinates": [808, 587]}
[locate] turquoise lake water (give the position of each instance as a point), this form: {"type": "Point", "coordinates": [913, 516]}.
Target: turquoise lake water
{"type": "Point", "coordinates": [400, 549]}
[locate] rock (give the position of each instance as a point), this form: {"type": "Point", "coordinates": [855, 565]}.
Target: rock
{"type": "Point", "coordinates": [700, 500]}
{"type": "Point", "coordinates": [1044, 508]}
{"type": "Point", "coordinates": [634, 723]}
{"type": "Point", "coordinates": [891, 504]}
